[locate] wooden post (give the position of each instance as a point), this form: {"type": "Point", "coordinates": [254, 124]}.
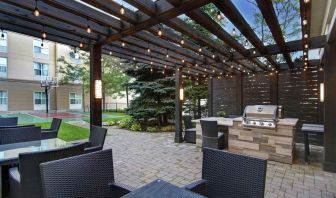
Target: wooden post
{"type": "Point", "coordinates": [178, 105]}
{"type": "Point", "coordinates": [329, 163]}
{"type": "Point", "coordinates": [210, 97]}
{"type": "Point", "coordinates": [95, 74]}
{"type": "Point", "coordinates": [274, 88]}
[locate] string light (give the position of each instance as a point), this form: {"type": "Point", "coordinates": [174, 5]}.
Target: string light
{"type": "Point", "coordinates": [123, 44]}
{"type": "Point", "coordinates": [88, 28]}
{"type": "Point", "coordinates": [165, 66]}
{"type": "Point", "coordinates": [182, 41]}
{"type": "Point", "coordinates": [151, 69]}
{"type": "Point", "coordinates": [224, 60]}
{"type": "Point", "coordinates": [160, 31]}
{"type": "Point", "coordinates": [36, 11]}
{"type": "Point", "coordinates": [44, 34]}
{"type": "Point", "coordinates": [304, 53]}
{"type": "Point", "coordinates": [182, 60]}
{"type": "Point", "coordinates": [134, 58]}
{"type": "Point", "coordinates": [213, 56]}
{"type": "Point", "coordinates": [149, 50]}
{"type": "Point", "coordinates": [254, 52]}
{"type": "Point", "coordinates": [122, 10]}
{"type": "Point", "coordinates": [200, 49]}
{"type": "Point", "coordinates": [304, 22]}
{"type": "Point", "coordinates": [234, 32]}
{"type": "Point", "coordinates": [196, 65]}
{"type": "Point", "coordinates": [110, 52]}
{"type": "Point", "coordinates": [219, 15]}
{"type": "Point", "coordinates": [305, 35]}
{"type": "Point", "coordinates": [81, 44]}
{"type": "Point", "coordinates": [306, 46]}
{"type": "Point", "coordinates": [306, 1]}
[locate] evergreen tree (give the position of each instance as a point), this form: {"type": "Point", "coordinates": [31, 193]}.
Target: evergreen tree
{"type": "Point", "coordinates": [154, 96]}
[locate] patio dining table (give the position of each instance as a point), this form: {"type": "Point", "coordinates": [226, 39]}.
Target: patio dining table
{"type": "Point", "coordinates": [160, 188]}
{"type": "Point", "coordinates": [9, 153]}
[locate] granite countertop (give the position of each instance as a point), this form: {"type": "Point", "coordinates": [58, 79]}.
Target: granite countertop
{"type": "Point", "coordinates": [229, 121]}
{"type": "Point", "coordinates": [220, 120]}
{"type": "Point", "coordinates": [288, 121]}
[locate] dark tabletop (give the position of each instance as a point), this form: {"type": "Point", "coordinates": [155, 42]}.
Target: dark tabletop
{"type": "Point", "coordinates": [162, 189]}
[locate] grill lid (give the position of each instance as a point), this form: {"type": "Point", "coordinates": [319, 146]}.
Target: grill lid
{"type": "Point", "coordinates": [261, 112]}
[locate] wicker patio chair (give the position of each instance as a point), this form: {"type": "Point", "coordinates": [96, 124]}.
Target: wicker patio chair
{"type": "Point", "coordinates": [88, 175]}
{"type": "Point", "coordinates": [20, 134]}
{"type": "Point", "coordinates": [96, 139]}
{"type": "Point", "coordinates": [189, 132]}
{"type": "Point", "coordinates": [25, 181]}
{"type": "Point", "coordinates": [53, 130]}
{"type": "Point", "coordinates": [16, 126]}
{"type": "Point", "coordinates": [211, 138]}
{"type": "Point", "coordinates": [11, 121]}
{"type": "Point", "coordinates": [226, 174]}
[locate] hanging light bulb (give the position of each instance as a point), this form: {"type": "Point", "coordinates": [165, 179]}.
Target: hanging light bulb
{"type": "Point", "coordinates": [306, 46]}
{"type": "Point", "coordinates": [304, 53]}
{"type": "Point", "coordinates": [81, 45]}
{"type": "Point", "coordinates": [36, 11]}
{"type": "Point", "coordinates": [234, 32]}
{"type": "Point", "coordinates": [305, 35]}
{"type": "Point", "coordinates": [44, 35]}
{"type": "Point", "coordinates": [200, 49]}
{"type": "Point", "coordinates": [88, 28]}
{"type": "Point", "coordinates": [151, 63]}
{"type": "Point", "coordinates": [231, 66]}
{"type": "Point", "coordinates": [123, 44]}
{"type": "Point", "coordinates": [151, 69]}
{"type": "Point", "coordinates": [196, 65]}
{"type": "Point", "coordinates": [304, 22]}
{"type": "Point", "coordinates": [213, 56]}
{"type": "Point", "coordinates": [134, 58]}
{"type": "Point", "coordinates": [182, 41]}
{"type": "Point", "coordinates": [160, 31]}
{"type": "Point", "coordinates": [165, 66]}
{"type": "Point", "coordinates": [306, 1]}
{"type": "Point", "coordinates": [219, 16]}
{"type": "Point", "coordinates": [110, 52]}
{"type": "Point", "coordinates": [163, 72]}
{"type": "Point", "coordinates": [182, 60]}
{"type": "Point", "coordinates": [149, 50]}
{"type": "Point", "coordinates": [122, 10]}
{"type": "Point", "coordinates": [254, 52]}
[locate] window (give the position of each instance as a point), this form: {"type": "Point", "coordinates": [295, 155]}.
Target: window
{"type": "Point", "coordinates": [3, 100]}
{"type": "Point", "coordinates": [41, 51]}
{"type": "Point", "coordinates": [3, 67]}
{"type": "Point", "coordinates": [75, 101]}
{"type": "Point", "coordinates": [39, 98]}
{"type": "Point", "coordinates": [3, 43]}
{"type": "Point", "coordinates": [40, 70]}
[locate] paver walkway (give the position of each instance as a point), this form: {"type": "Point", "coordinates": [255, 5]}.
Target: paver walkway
{"type": "Point", "coordinates": [140, 158]}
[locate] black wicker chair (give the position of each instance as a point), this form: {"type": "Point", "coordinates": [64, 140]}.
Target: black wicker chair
{"type": "Point", "coordinates": [20, 134]}
{"type": "Point", "coordinates": [226, 174]}
{"type": "Point", "coordinates": [53, 130]}
{"type": "Point", "coordinates": [88, 175]}
{"type": "Point", "coordinates": [10, 121]}
{"type": "Point", "coordinates": [96, 139]}
{"type": "Point", "coordinates": [16, 126]}
{"type": "Point", "coordinates": [190, 132]}
{"type": "Point", "coordinates": [211, 138]}
{"type": "Point", "coordinates": [25, 181]}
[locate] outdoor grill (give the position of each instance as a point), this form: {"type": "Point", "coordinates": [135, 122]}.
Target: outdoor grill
{"type": "Point", "coordinates": [263, 116]}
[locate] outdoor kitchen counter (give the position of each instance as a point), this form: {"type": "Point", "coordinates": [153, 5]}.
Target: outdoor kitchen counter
{"type": "Point", "coordinates": [273, 144]}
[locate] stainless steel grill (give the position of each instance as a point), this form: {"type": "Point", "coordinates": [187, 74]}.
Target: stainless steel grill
{"type": "Point", "coordinates": [263, 116]}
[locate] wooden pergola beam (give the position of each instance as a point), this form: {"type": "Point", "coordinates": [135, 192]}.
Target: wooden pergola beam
{"type": "Point", "coordinates": [232, 13]}
{"type": "Point", "coordinates": [268, 12]}
{"type": "Point", "coordinates": [163, 12]}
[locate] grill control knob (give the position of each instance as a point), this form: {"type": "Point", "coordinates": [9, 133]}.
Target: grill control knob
{"type": "Point", "coordinates": [261, 123]}
{"type": "Point", "coordinates": [254, 123]}
{"type": "Point", "coordinates": [269, 124]}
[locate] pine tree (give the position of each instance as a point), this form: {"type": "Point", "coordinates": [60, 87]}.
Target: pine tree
{"type": "Point", "coordinates": [154, 95]}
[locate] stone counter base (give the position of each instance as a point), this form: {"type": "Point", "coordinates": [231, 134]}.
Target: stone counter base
{"type": "Point", "coordinates": [277, 145]}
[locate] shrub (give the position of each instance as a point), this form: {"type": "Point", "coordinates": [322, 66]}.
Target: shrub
{"type": "Point", "coordinates": [111, 123]}
{"type": "Point", "coordinates": [169, 128]}
{"type": "Point", "coordinates": [135, 127]}
{"type": "Point", "coordinates": [152, 129]}
{"type": "Point", "coordinates": [126, 122]}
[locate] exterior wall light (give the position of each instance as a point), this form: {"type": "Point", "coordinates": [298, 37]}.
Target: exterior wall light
{"type": "Point", "coordinates": [321, 92]}
{"type": "Point", "coordinates": [98, 89]}
{"type": "Point", "coordinates": [181, 93]}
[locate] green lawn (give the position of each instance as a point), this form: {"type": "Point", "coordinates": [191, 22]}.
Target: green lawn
{"type": "Point", "coordinates": [68, 132]}
{"type": "Point", "coordinates": [111, 116]}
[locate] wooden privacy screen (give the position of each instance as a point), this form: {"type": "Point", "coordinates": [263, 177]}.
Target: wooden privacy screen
{"type": "Point", "coordinates": [297, 91]}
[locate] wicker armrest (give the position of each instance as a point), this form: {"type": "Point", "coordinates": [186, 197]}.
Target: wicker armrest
{"type": "Point", "coordinates": [119, 190]}
{"type": "Point", "coordinates": [92, 149]}
{"type": "Point", "coordinates": [199, 187]}
{"type": "Point", "coordinates": [14, 182]}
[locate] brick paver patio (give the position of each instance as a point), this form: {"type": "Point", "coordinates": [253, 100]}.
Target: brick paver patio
{"type": "Point", "coordinates": [140, 158]}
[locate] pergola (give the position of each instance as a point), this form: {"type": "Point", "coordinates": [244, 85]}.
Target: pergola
{"type": "Point", "coordinates": [154, 35]}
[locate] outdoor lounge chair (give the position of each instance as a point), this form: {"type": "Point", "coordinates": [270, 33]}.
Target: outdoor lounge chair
{"type": "Point", "coordinates": [226, 174]}
{"type": "Point", "coordinates": [96, 139]}
{"type": "Point", "coordinates": [189, 132]}
{"type": "Point", "coordinates": [16, 126]}
{"type": "Point", "coordinates": [211, 138]}
{"type": "Point", "coordinates": [20, 134]}
{"type": "Point", "coordinates": [53, 130]}
{"type": "Point", "coordinates": [11, 121]}
{"type": "Point", "coordinates": [88, 175]}
{"type": "Point", "coordinates": [25, 181]}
